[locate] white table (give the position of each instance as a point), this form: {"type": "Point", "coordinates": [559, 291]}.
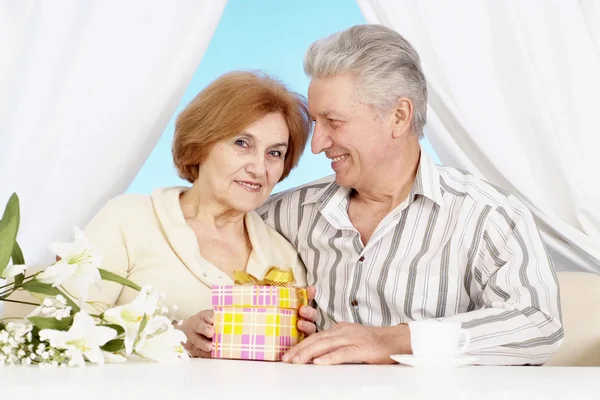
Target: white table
{"type": "Point", "coordinates": [214, 379]}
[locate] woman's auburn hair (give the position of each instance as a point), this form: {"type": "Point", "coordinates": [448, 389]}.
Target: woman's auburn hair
{"type": "Point", "coordinates": [226, 107]}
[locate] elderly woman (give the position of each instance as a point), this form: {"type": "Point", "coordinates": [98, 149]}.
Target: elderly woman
{"type": "Point", "coordinates": [234, 142]}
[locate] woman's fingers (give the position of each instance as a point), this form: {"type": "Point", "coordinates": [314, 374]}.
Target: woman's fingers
{"type": "Point", "coordinates": [202, 323]}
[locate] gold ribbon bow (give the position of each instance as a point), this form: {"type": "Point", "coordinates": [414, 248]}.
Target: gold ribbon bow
{"type": "Point", "coordinates": [274, 276]}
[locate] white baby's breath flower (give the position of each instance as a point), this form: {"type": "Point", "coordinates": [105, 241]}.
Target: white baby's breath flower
{"type": "Point", "coordinates": [61, 299]}
{"type": "Point", "coordinates": [52, 307]}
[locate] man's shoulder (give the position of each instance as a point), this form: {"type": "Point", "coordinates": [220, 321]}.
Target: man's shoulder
{"type": "Point", "coordinates": [461, 183]}
{"type": "Point", "coordinates": [302, 192]}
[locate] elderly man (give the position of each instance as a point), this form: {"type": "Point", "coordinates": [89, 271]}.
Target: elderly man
{"type": "Point", "coordinates": [394, 238]}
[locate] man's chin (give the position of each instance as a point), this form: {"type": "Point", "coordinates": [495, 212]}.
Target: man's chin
{"type": "Point", "coordinates": [343, 180]}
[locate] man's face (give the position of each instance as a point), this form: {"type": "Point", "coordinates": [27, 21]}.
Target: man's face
{"type": "Point", "coordinates": [350, 133]}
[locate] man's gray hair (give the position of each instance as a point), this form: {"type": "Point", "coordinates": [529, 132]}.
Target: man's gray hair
{"type": "Point", "coordinates": [385, 64]}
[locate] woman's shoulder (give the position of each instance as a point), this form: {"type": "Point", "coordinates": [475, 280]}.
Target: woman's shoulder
{"type": "Point", "coordinates": [125, 204]}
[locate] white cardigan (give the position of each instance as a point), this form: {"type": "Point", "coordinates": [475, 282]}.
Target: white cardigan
{"type": "Point", "coordinates": [146, 239]}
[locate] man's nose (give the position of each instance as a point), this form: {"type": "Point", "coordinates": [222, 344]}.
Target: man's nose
{"type": "Point", "coordinates": [320, 139]}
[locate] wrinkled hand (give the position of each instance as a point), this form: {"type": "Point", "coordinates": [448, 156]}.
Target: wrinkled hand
{"type": "Point", "coordinates": [308, 315]}
{"type": "Point", "coordinates": [352, 343]}
{"type": "Point", "coordinates": [199, 331]}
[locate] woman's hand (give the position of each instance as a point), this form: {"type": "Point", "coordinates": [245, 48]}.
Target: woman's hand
{"type": "Point", "coordinates": [199, 331]}
{"type": "Point", "coordinates": [308, 315]}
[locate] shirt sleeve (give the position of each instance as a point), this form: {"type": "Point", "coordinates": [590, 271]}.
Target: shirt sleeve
{"type": "Point", "coordinates": [282, 212]}
{"type": "Point", "coordinates": [514, 312]}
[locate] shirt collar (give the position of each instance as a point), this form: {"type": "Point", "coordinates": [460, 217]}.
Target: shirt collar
{"type": "Point", "coordinates": [427, 181]}
{"type": "Point", "coordinates": [427, 184]}
{"type": "Point", "coordinates": [326, 193]}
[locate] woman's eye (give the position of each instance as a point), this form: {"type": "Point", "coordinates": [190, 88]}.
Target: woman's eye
{"type": "Point", "coordinates": [241, 143]}
{"type": "Point", "coordinates": [277, 153]}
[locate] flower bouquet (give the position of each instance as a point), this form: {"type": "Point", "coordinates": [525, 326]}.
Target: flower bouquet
{"type": "Point", "coordinates": [66, 329]}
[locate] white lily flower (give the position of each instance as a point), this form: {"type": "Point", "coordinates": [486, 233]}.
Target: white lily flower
{"type": "Point", "coordinates": [78, 260]}
{"type": "Point", "coordinates": [129, 316]}
{"type": "Point", "coordinates": [84, 338]}
{"type": "Point", "coordinates": [162, 342]}
{"type": "Point", "coordinates": [13, 270]}
{"type": "Point", "coordinates": [113, 358]}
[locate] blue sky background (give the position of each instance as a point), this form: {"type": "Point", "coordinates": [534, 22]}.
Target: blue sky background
{"type": "Point", "coordinates": [271, 35]}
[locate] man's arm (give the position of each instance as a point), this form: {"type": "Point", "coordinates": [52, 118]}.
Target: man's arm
{"type": "Point", "coordinates": [515, 317]}
{"type": "Point", "coordinates": [276, 212]}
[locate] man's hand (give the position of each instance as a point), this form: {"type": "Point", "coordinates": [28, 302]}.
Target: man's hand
{"type": "Point", "coordinates": [352, 343]}
{"type": "Point", "coordinates": [308, 315]}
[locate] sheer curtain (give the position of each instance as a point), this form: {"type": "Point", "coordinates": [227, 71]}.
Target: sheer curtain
{"type": "Point", "coordinates": [86, 89]}
{"type": "Point", "coordinates": [515, 98]}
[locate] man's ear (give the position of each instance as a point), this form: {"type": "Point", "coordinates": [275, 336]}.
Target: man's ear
{"type": "Point", "coordinates": [403, 115]}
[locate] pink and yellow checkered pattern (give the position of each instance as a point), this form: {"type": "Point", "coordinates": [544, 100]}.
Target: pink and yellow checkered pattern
{"type": "Point", "coordinates": [255, 322]}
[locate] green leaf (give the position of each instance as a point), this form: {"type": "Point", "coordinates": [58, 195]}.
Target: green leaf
{"type": "Point", "coordinates": [116, 327]}
{"type": "Point", "coordinates": [114, 345]}
{"type": "Point", "coordinates": [35, 335]}
{"type": "Point", "coordinates": [19, 280]}
{"type": "Point", "coordinates": [9, 226]}
{"type": "Point", "coordinates": [52, 323]}
{"type": "Point", "coordinates": [34, 286]}
{"type": "Point", "coordinates": [18, 259]}
{"type": "Point", "coordinates": [17, 254]}
{"type": "Point", "coordinates": [111, 276]}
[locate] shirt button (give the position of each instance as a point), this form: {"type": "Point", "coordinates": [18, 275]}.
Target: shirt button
{"type": "Point", "coordinates": [354, 303]}
{"type": "Point", "coordinates": [361, 259]}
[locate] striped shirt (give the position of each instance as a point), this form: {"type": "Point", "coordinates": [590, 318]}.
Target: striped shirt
{"type": "Point", "coordinates": [458, 249]}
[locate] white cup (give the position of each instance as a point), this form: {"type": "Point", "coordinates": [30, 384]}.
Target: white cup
{"type": "Point", "coordinates": [430, 338]}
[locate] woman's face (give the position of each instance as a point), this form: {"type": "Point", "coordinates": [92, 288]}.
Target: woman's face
{"type": "Point", "coordinates": [240, 173]}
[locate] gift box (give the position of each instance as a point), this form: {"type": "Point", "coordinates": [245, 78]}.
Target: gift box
{"type": "Point", "coordinates": [256, 320]}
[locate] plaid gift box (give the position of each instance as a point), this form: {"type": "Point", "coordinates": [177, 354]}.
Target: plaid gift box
{"type": "Point", "coordinates": [255, 322]}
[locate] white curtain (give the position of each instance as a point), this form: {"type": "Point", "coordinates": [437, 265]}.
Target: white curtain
{"type": "Point", "coordinates": [86, 89]}
{"type": "Point", "coordinates": [515, 97]}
